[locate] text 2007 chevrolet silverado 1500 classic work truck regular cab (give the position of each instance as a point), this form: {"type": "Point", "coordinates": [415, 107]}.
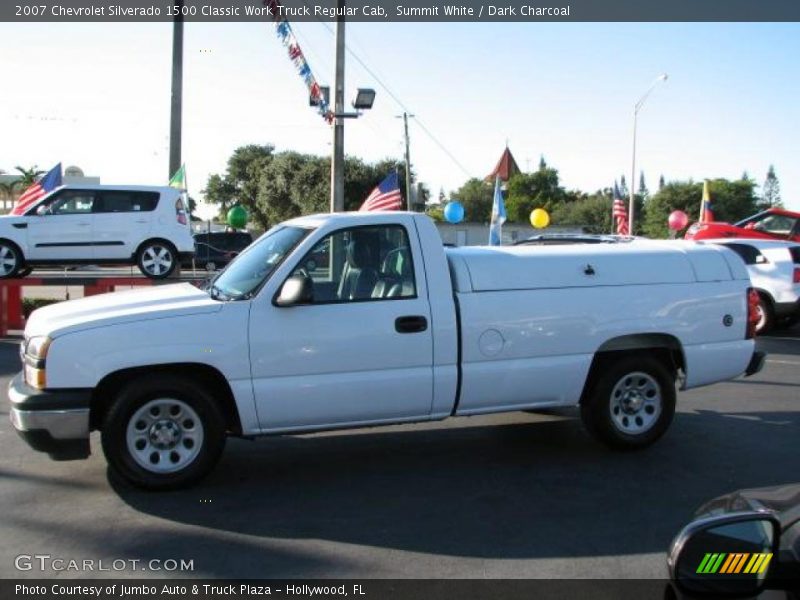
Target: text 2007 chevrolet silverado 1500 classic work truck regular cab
{"type": "Point", "coordinates": [383, 326]}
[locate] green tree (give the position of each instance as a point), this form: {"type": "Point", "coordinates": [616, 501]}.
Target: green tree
{"type": "Point", "coordinates": [240, 183]}
{"type": "Point", "coordinates": [28, 176]}
{"type": "Point", "coordinates": [435, 212]}
{"type": "Point", "coordinates": [7, 190]}
{"type": "Point", "coordinates": [772, 190]}
{"type": "Point", "coordinates": [527, 191]}
{"type": "Point", "coordinates": [644, 193]}
{"type": "Point", "coordinates": [476, 196]}
{"type": "Point", "coordinates": [591, 213]}
{"type": "Point", "coordinates": [732, 201]}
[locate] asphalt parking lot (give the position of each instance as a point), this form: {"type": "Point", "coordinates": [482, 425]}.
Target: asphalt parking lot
{"type": "Point", "coordinates": [514, 495]}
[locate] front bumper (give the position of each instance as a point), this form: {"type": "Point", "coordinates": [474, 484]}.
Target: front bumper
{"type": "Point", "coordinates": [51, 421]}
{"type": "Point", "coordinates": [756, 363]}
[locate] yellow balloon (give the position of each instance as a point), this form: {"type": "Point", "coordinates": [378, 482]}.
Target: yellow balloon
{"type": "Point", "coordinates": [539, 218]}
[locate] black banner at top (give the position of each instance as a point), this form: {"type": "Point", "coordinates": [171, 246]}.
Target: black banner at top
{"type": "Point", "coordinates": [400, 11]}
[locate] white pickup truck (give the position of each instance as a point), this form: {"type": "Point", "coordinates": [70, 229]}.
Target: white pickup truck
{"type": "Point", "coordinates": [353, 320]}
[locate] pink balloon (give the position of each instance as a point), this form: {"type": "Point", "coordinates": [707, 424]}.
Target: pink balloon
{"type": "Point", "coordinates": [678, 220]}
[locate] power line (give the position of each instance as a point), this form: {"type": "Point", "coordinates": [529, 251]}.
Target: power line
{"type": "Point", "coordinates": [402, 105]}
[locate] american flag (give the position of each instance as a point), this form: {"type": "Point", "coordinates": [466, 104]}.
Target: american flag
{"type": "Point", "coordinates": [50, 181]}
{"type": "Point", "coordinates": [620, 212]}
{"type": "Point", "coordinates": [385, 196]}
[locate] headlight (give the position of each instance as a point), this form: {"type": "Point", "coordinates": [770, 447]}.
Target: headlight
{"type": "Point", "coordinates": [37, 347]}
{"type": "Point", "coordinates": [34, 361]}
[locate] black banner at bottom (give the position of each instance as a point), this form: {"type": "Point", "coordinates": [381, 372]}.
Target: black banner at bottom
{"type": "Point", "coordinates": [353, 589]}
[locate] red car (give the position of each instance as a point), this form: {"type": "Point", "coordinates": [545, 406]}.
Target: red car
{"type": "Point", "coordinates": [771, 224]}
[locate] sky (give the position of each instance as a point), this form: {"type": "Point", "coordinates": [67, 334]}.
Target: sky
{"type": "Point", "coordinates": [97, 96]}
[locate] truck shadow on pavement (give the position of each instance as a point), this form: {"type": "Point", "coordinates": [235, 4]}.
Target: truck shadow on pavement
{"type": "Point", "coordinates": [518, 490]}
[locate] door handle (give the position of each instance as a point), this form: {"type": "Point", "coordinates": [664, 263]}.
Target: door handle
{"type": "Point", "coordinates": [83, 224]}
{"type": "Point", "coordinates": [413, 324]}
{"type": "Point", "coordinates": [143, 222]}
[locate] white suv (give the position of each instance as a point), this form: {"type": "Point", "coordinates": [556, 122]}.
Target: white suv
{"type": "Point", "coordinates": [94, 224]}
{"type": "Point", "coordinates": [774, 268]}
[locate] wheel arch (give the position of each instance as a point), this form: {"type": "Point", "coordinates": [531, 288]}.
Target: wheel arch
{"type": "Point", "coordinates": [108, 387]}
{"type": "Point", "coordinates": [766, 295]}
{"type": "Point", "coordinates": [16, 245]}
{"type": "Point", "coordinates": [150, 240]}
{"type": "Point", "coordinates": [663, 346]}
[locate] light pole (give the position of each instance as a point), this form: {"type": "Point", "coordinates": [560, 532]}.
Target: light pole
{"type": "Point", "coordinates": [636, 107]}
{"type": "Point", "coordinates": [176, 100]}
{"type": "Point", "coordinates": [363, 101]}
{"type": "Point", "coordinates": [337, 160]}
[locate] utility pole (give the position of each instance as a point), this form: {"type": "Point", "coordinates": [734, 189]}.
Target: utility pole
{"type": "Point", "coordinates": [408, 162]}
{"type": "Point", "coordinates": [337, 164]}
{"type": "Point", "coordinates": [176, 104]}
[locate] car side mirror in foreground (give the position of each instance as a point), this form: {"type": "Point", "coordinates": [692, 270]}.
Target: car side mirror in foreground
{"type": "Point", "coordinates": [298, 289]}
{"type": "Point", "coordinates": [724, 556]}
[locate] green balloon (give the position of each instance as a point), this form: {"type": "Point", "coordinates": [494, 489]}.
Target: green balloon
{"type": "Point", "coordinates": [237, 217]}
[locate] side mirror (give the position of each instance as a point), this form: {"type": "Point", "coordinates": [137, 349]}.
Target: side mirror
{"type": "Point", "coordinates": [724, 556]}
{"type": "Point", "coordinates": [298, 289]}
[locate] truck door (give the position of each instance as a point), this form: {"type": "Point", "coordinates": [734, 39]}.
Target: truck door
{"type": "Point", "coordinates": [361, 349]}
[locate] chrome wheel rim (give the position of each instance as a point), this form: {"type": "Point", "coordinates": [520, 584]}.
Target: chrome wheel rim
{"type": "Point", "coordinates": [157, 259]}
{"type": "Point", "coordinates": [164, 436]}
{"type": "Point", "coordinates": [635, 403]}
{"type": "Point", "coordinates": [8, 260]}
{"type": "Point", "coordinates": [761, 312]}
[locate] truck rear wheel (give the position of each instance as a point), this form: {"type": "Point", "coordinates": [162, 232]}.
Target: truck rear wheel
{"type": "Point", "coordinates": [766, 318]}
{"type": "Point", "coordinates": [631, 403]}
{"type": "Point", "coordinates": [165, 432]}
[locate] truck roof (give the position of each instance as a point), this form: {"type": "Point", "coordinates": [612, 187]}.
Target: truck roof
{"type": "Point", "coordinates": [641, 262]}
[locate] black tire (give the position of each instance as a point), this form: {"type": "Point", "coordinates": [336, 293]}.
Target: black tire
{"type": "Point", "coordinates": [24, 271]}
{"type": "Point", "coordinates": [157, 259]}
{"type": "Point", "coordinates": [11, 260]}
{"type": "Point", "coordinates": [618, 409]}
{"type": "Point", "coordinates": [128, 440]}
{"type": "Point", "coordinates": [766, 316]}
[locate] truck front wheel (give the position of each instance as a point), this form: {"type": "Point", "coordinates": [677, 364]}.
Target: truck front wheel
{"type": "Point", "coordinates": [165, 432]}
{"type": "Point", "coordinates": [631, 403]}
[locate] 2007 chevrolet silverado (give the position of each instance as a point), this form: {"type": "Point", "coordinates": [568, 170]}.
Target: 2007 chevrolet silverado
{"type": "Point", "coordinates": [351, 320]}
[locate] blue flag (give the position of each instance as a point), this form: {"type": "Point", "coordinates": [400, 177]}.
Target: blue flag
{"type": "Point", "coordinates": [498, 216]}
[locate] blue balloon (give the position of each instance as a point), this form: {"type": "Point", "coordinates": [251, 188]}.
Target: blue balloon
{"type": "Point", "coordinates": [454, 212]}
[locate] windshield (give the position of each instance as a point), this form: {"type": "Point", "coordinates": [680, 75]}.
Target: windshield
{"type": "Point", "coordinates": [242, 278]}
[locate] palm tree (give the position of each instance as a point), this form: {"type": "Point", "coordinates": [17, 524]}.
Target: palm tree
{"type": "Point", "coordinates": [28, 176]}
{"type": "Point", "coordinates": [7, 189]}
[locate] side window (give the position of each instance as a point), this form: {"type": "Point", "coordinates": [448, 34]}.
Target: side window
{"type": "Point", "coordinates": [126, 201]}
{"type": "Point", "coordinates": [72, 202]}
{"type": "Point", "coordinates": [362, 263]}
{"type": "Point", "coordinates": [750, 254]}
{"type": "Point", "coordinates": [776, 225]}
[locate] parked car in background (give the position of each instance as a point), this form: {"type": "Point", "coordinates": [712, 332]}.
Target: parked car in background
{"type": "Point", "coordinates": [99, 224]}
{"type": "Point", "coordinates": [216, 249]}
{"type": "Point", "coordinates": [739, 545]}
{"type": "Point", "coordinates": [771, 224]}
{"type": "Point", "coordinates": [774, 269]}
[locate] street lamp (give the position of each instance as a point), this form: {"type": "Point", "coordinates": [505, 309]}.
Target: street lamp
{"type": "Point", "coordinates": [365, 98]}
{"type": "Point", "coordinates": [636, 107]}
